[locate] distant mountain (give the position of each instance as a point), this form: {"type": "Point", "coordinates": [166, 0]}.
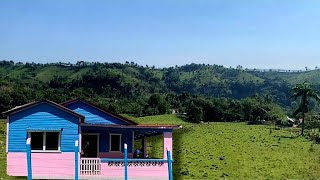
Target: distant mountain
{"type": "Point", "coordinates": [113, 81]}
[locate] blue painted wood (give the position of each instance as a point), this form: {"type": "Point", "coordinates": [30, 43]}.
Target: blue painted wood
{"type": "Point", "coordinates": [104, 143]}
{"type": "Point", "coordinates": [29, 164]}
{"type": "Point", "coordinates": [125, 162]}
{"type": "Point", "coordinates": [42, 116]}
{"type": "Point", "coordinates": [169, 165]}
{"type": "Point", "coordinates": [93, 115]}
{"type": "Point", "coordinates": [76, 164]}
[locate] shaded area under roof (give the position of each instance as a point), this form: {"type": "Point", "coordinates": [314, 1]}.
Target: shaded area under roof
{"type": "Point", "coordinates": [140, 131]}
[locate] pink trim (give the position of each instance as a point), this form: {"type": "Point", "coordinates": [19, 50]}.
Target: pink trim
{"type": "Point", "coordinates": [114, 155]}
{"type": "Point", "coordinates": [7, 135]}
{"type": "Point", "coordinates": [50, 165]}
{"type": "Point", "coordinates": [167, 144]}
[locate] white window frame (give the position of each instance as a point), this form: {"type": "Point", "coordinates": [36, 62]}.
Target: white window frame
{"type": "Point", "coordinates": [115, 134]}
{"type": "Point", "coordinates": [98, 141]}
{"type": "Point", "coordinates": [44, 141]}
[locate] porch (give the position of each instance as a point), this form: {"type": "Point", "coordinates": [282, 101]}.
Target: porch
{"type": "Point", "coordinates": [101, 168]}
{"type": "Point", "coordinates": [102, 152]}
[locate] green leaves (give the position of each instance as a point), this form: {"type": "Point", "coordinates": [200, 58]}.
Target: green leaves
{"type": "Point", "coordinates": [304, 92]}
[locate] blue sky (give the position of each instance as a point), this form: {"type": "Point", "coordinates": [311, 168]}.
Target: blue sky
{"type": "Point", "coordinates": [255, 33]}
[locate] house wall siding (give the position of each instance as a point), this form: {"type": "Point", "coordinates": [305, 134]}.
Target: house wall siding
{"type": "Point", "coordinates": [42, 116]}
{"type": "Point", "coordinates": [126, 137]}
{"type": "Point", "coordinates": [93, 115]}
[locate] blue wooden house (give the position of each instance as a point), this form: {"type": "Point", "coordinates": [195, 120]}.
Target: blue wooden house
{"type": "Point", "coordinates": [54, 129]}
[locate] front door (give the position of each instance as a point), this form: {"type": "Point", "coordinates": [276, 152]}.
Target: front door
{"type": "Point", "coordinates": [90, 145]}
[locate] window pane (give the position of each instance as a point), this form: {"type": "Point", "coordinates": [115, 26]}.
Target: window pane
{"type": "Point", "coordinates": [52, 140]}
{"type": "Point", "coordinates": [36, 140]}
{"type": "Point", "coordinates": [115, 142]}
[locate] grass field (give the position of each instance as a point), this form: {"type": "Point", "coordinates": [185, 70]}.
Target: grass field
{"type": "Point", "coordinates": [228, 150]}
{"type": "Point", "coordinates": [237, 151]}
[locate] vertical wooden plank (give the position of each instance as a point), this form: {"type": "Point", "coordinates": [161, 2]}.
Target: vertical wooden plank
{"type": "Point", "coordinates": [132, 150]}
{"type": "Point", "coordinates": [76, 164]}
{"type": "Point", "coordinates": [167, 143]}
{"type": "Point", "coordinates": [169, 165]}
{"type": "Point", "coordinates": [7, 135]}
{"type": "Point", "coordinates": [29, 164]}
{"type": "Point", "coordinates": [125, 162]}
{"type": "Point", "coordinates": [144, 142]}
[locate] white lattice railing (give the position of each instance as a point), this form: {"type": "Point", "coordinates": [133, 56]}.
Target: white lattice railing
{"type": "Point", "coordinates": [134, 162]}
{"type": "Point", "coordinates": [90, 166]}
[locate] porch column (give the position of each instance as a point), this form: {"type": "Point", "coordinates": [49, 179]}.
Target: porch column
{"type": "Point", "coordinates": [144, 143]}
{"type": "Point", "coordinates": [167, 144]}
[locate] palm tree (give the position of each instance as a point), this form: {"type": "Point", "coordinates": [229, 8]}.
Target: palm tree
{"type": "Point", "coordinates": [305, 92]}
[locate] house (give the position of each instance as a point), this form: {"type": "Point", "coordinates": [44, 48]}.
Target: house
{"type": "Point", "coordinates": [54, 129]}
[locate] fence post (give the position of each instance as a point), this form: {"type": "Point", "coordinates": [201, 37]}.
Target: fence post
{"type": "Point", "coordinates": [76, 160]}
{"type": "Point", "coordinates": [28, 148]}
{"type": "Point", "coordinates": [125, 162]}
{"type": "Point", "coordinates": [169, 165]}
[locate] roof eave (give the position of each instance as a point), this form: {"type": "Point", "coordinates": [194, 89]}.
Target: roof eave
{"type": "Point", "coordinates": [101, 109]}
{"type": "Point", "coordinates": [133, 126]}
{"type": "Point", "coordinates": [29, 105]}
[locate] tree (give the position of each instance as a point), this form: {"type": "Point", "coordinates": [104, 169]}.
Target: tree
{"type": "Point", "coordinates": [157, 105]}
{"type": "Point", "coordinates": [305, 92]}
{"type": "Point", "coordinates": [194, 113]}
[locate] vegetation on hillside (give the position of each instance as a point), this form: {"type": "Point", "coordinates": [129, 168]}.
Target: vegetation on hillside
{"type": "Point", "coordinates": [116, 85]}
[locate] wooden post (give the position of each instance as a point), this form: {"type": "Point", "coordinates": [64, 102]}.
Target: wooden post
{"type": "Point", "coordinates": [125, 162]}
{"type": "Point", "coordinates": [144, 143]}
{"type": "Point", "coordinates": [76, 160]}
{"type": "Point", "coordinates": [169, 165]}
{"type": "Point", "coordinates": [28, 143]}
{"type": "Point", "coordinates": [167, 143]}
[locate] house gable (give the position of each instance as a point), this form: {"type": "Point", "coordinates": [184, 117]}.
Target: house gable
{"type": "Point", "coordinates": [42, 116]}
{"type": "Point", "coordinates": [94, 114]}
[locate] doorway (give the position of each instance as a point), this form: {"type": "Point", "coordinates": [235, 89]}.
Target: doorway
{"type": "Point", "coordinates": [90, 145]}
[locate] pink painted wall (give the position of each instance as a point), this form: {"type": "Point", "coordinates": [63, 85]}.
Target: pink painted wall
{"type": "Point", "coordinates": [167, 143]}
{"type": "Point", "coordinates": [114, 155]}
{"type": "Point", "coordinates": [44, 165]}
{"type": "Point", "coordinates": [145, 172]}
{"type": "Point", "coordinates": [61, 166]}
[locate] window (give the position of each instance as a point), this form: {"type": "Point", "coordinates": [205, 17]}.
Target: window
{"type": "Point", "coordinates": [115, 142]}
{"type": "Point", "coordinates": [45, 141]}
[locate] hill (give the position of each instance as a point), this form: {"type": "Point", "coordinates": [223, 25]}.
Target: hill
{"type": "Point", "coordinates": [236, 151]}
{"type": "Point", "coordinates": [106, 83]}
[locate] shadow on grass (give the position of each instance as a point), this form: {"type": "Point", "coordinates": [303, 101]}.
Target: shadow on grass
{"type": "Point", "coordinates": [177, 150]}
{"type": "Point", "coordinates": [183, 117]}
{"type": "Point", "coordinates": [286, 137]}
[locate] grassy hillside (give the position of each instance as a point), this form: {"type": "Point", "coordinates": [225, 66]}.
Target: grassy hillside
{"type": "Point", "coordinates": [133, 83]}
{"type": "Point", "coordinates": [237, 151]}
{"type": "Point", "coordinates": [312, 76]}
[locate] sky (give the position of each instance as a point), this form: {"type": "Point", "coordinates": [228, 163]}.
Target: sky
{"type": "Point", "coordinates": [253, 33]}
